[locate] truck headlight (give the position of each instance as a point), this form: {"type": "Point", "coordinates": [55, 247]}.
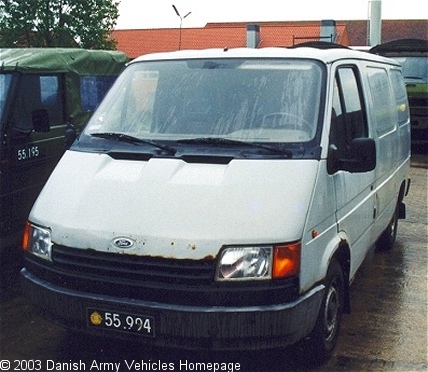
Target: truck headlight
{"type": "Point", "coordinates": [37, 240]}
{"type": "Point", "coordinates": [258, 263]}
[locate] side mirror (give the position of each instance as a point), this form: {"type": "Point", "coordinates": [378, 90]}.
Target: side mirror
{"type": "Point", "coordinates": [40, 119]}
{"type": "Point", "coordinates": [361, 157]}
{"type": "Point", "coordinates": [70, 135]}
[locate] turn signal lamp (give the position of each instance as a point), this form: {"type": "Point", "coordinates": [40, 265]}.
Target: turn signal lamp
{"type": "Point", "coordinates": [286, 260]}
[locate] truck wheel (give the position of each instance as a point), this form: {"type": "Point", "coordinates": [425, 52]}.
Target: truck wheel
{"type": "Point", "coordinates": [324, 336]}
{"type": "Point", "coordinates": [387, 239]}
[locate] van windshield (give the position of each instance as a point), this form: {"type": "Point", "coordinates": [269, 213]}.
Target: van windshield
{"type": "Point", "coordinates": [251, 100]}
{"type": "Point", "coordinates": [5, 82]}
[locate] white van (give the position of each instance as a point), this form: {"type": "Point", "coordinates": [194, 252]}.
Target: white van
{"type": "Point", "coordinates": [224, 198]}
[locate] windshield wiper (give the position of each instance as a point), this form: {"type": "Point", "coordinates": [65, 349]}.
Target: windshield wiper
{"type": "Point", "coordinates": [228, 141]}
{"type": "Point", "coordinates": [134, 140]}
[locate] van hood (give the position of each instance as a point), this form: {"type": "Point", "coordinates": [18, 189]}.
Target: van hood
{"type": "Point", "coordinates": [170, 208]}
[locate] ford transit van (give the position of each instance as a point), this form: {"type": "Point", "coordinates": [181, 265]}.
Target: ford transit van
{"type": "Point", "coordinates": [44, 93]}
{"type": "Point", "coordinates": [224, 199]}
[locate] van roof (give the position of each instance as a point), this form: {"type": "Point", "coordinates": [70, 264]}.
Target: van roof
{"type": "Point", "coordinates": [60, 60]}
{"type": "Point", "coordinates": [325, 55]}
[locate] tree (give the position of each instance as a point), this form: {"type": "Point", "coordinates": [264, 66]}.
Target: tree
{"type": "Point", "coordinates": [58, 23]}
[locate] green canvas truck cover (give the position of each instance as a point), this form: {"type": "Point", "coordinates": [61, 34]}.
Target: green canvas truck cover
{"type": "Point", "coordinates": [72, 62]}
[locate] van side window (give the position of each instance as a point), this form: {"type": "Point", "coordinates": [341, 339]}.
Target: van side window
{"type": "Point", "coordinates": [400, 95]}
{"type": "Point", "coordinates": [348, 118]}
{"type": "Point", "coordinates": [385, 120]}
{"type": "Point", "coordinates": [37, 92]}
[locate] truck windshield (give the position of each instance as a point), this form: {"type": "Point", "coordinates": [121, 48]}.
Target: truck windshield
{"type": "Point", "coordinates": [252, 100]}
{"type": "Point", "coordinates": [5, 82]}
{"type": "Point", "coordinates": [414, 68]}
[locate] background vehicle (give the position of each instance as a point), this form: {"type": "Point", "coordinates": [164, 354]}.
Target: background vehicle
{"type": "Point", "coordinates": [413, 55]}
{"type": "Point", "coordinates": [43, 92]}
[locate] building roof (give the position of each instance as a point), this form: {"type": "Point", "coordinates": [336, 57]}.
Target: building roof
{"type": "Point", "coordinates": [234, 35]}
{"type": "Point", "coordinates": [143, 41]}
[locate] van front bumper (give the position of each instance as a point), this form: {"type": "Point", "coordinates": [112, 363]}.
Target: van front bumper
{"type": "Point", "coordinates": [190, 327]}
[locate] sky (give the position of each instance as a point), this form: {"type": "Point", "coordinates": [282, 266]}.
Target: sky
{"type": "Point", "coordinates": [141, 14]}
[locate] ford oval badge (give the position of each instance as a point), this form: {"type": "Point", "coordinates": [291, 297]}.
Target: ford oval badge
{"type": "Point", "coordinates": [123, 243]}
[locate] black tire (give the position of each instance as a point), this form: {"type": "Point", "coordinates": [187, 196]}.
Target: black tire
{"type": "Point", "coordinates": [325, 334]}
{"type": "Point", "coordinates": [387, 240]}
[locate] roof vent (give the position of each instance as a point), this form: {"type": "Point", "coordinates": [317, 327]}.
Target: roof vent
{"type": "Point", "coordinates": [319, 45]}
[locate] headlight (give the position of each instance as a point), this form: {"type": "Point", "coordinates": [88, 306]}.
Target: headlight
{"type": "Point", "coordinates": [37, 240]}
{"type": "Point", "coordinates": [245, 263]}
{"type": "Point", "coordinates": [257, 263]}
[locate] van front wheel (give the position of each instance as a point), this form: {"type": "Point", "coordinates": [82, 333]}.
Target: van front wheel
{"type": "Point", "coordinates": [324, 336]}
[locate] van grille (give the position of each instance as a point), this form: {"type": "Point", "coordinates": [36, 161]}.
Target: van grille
{"type": "Point", "coordinates": [132, 268]}
{"type": "Point", "coordinates": [157, 279]}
